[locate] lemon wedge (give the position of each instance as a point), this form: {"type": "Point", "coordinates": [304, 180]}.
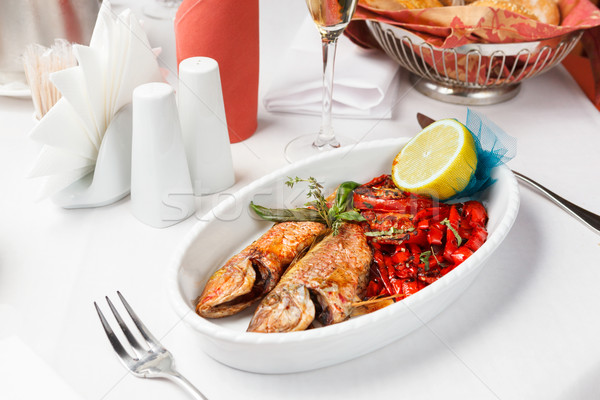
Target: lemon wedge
{"type": "Point", "coordinates": [439, 161]}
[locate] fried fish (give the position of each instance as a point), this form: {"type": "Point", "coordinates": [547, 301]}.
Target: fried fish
{"type": "Point", "coordinates": [252, 273]}
{"type": "Point", "coordinates": [322, 284]}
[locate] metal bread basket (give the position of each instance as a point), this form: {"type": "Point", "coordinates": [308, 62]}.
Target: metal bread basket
{"type": "Point", "coordinates": [474, 74]}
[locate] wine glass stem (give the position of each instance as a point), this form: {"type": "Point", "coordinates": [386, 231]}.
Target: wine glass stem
{"type": "Point", "coordinates": [326, 137]}
{"type": "Point", "coordinates": [169, 3]}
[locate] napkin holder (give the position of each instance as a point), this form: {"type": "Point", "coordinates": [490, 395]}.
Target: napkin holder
{"type": "Point", "coordinates": [111, 179]}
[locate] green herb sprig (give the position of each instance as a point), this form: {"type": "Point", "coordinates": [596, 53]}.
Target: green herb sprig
{"type": "Point", "coordinates": [446, 222]}
{"type": "Point", "coordinates": [424, 258]}
{"type": "Point", "coordinates": [317, 209]}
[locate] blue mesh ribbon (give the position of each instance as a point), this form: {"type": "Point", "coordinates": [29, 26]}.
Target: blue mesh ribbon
{"type": "Point", "coordinates": [494, 148]}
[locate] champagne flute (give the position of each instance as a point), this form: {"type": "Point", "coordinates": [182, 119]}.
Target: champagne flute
{"type": "Point", "coordinates": [331, 18]}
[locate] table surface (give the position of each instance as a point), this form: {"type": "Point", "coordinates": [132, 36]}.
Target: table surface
{"type": "Point", "coordinates": [527, 328]}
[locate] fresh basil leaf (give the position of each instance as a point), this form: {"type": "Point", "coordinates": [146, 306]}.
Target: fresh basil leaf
{"type": "Point", "coordinates": [343, 197]}
{"type": "Point", "coordinates": [351, 216]}
{"type": "Point", "coordinates": [446, 222]}
{"type": "Point", "coordinates": [424, 258]}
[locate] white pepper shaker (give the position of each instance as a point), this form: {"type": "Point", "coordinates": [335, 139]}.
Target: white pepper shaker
{"type": "Point", "coordinates": [161, 188]}
{"type": "Point", "coordinates": [204, 125]}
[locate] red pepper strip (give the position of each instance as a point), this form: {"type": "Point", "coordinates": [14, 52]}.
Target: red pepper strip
{"type": "Point", "coordinates": [447, 269]}
{"type": "Point", "coordinates": [454, 217]}
{"type": "Point", "coordinates": [433, 213]}
{"type": "Point", "coordinates": [423, 224]}
{"type": "Point", "coordinates": [461, 254]}
{"type": "Point", "coordinates": [375, 245]}
{"type": "Point", "coordinates": [389, 193]}
{"type": "Point", "coordinates": [417, 237]}
{"type": "Point", "coordinates": [378, 257]}
{"type": "Point", "coordinates": [464, 231]}
{"type": "Point", "coordinates": [427, 279]}
{"type": "Point", "coordinates": [385, 240]}
{"type": "Point", "coordinates": [388, 262]}
{"type": "Point", "coordinates": [404, 272]}
{"type": "Point", "coordinates": [406, 205]}
{"type": "Point", "coordinates": [400, 257]}
{"type": "Point", "coordinates": [415, 250]}
{"type": "Point", "coordinates": [475, 214]}
{"type": "Point", "coordinates": [436, 234]}
{"type": "Point", "coordinates": [389, 199]}
{"type": "Point", "coordinates": [384, 179]}
{"type": "Point", "coordinates": [477, 238]}
{"type": "Point", "coordinates": [384, 221]}
{"type": "Point", "coordinates": [411, 287]}
{"type": "Point", "coordinates": [374, 288]}
{"type": "Point", "coordinates": [426, 213]}
{"type": "Point", "coordinates": [397, 284]}
{"type": "Point", "coordinates": [451, 246]}
{"type": "Point", "coordinates": [383, 273]}
{"type": "Point", "coordinates": [433, 262]}
{"type": "Point", "coordinates": [386, 284]}
{"type": "Point", "coordinates": [442, 212]}
{"type": "Point", "coordinates": [391, 271]}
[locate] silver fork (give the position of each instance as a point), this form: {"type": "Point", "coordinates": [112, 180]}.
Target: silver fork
{"type": "Point", "coordinates": [153, 361]}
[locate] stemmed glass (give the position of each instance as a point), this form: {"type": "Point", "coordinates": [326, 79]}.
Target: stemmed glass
{"type": "Point", "coordinates": [331, 18]}
{"type": "Point", "coordinates": [162, 9]}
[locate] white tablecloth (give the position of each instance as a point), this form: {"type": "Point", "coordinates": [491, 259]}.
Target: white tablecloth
{"type": "Point", "coordinates": [527, 328]}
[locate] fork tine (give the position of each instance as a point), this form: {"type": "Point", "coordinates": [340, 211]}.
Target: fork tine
{"type": "Point", "coordinates": [113, 339]}
{"type": "Point", "coordinates": [130, 338]}
{"type": "Point", "coordinates": [140, 325]}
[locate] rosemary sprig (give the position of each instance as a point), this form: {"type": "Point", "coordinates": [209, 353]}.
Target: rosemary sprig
{"type": "Point", "coordinates": [315, 191]}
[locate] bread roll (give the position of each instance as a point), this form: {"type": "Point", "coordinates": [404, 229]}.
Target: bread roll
{"type": "Point", "coordinates": [541, 10]}
{"type": "Point", "coordinates": [505, 5]}
{"type": "Point", "coordinates": [545, 10]}
{"type": "Point", "coordinates": [396, 5]}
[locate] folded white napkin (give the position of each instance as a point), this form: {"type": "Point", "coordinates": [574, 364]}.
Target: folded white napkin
{"type": "Point", "coordinates": [118, 59]}
{"type": "Point", "coordinates": [365, 81]}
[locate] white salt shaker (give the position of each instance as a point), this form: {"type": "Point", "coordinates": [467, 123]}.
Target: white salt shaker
{"type": "Point", "coordinates": [204, 126]}
{"type": "Point", "coordinates": [161, 188]}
